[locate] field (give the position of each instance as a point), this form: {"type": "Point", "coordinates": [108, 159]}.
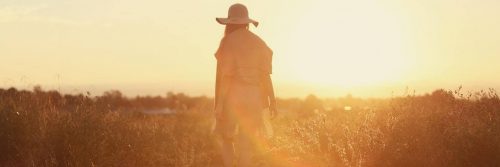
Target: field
{"type": "Point", "coordinates": [442, 128]}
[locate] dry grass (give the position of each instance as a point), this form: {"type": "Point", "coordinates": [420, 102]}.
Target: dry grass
{"type": "Point", "coordinates": [45, 128]}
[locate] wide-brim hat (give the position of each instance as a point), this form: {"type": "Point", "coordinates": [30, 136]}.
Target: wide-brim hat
{"type": "Point", "coordinates": [237, 14]}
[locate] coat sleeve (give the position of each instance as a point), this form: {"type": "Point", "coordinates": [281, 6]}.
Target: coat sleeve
{"type": "Point", "coordinates": [268, 59]}
{"type": "Point", "coordinates": [218, 55]}
{"type": "Point", "coordinates": [225, 63]}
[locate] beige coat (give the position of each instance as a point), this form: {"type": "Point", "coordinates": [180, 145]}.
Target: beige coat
{"type": "Point", "coordinates": [242, 56]}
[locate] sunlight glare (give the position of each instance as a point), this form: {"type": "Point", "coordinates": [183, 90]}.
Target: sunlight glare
{"type": "Point", "coordinates": [355, 46]}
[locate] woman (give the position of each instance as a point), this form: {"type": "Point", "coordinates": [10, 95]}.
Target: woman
{"type": "Point", "coordinates": [243, 86]}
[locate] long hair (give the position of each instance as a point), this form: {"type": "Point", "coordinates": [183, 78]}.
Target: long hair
{"type": "Point", "coordinates": [233, 27]}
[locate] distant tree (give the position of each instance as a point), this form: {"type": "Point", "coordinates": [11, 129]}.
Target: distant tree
{"type": "Point", "coordinates": [310, 105]}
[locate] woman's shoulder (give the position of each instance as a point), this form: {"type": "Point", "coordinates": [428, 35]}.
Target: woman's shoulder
{"type": "Point", "coordinates": [244, 36]}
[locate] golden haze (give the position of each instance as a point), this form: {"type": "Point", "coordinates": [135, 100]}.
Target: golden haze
{"type": "Point", "coordinates": [329, 48]}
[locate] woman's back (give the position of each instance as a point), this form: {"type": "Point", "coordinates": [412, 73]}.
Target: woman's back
{"type": "Point", "coordinates": [244, 53]}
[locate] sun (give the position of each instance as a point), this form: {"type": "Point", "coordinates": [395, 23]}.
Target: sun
{"type": "Point", "coordinates": [352, 48]}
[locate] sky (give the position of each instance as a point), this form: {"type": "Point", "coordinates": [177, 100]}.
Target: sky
{"type": "Point", "coordinates": [330, 48]}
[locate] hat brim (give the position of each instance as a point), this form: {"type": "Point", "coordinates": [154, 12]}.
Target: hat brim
{"type": "Point", "coordinates": [226, 21]}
